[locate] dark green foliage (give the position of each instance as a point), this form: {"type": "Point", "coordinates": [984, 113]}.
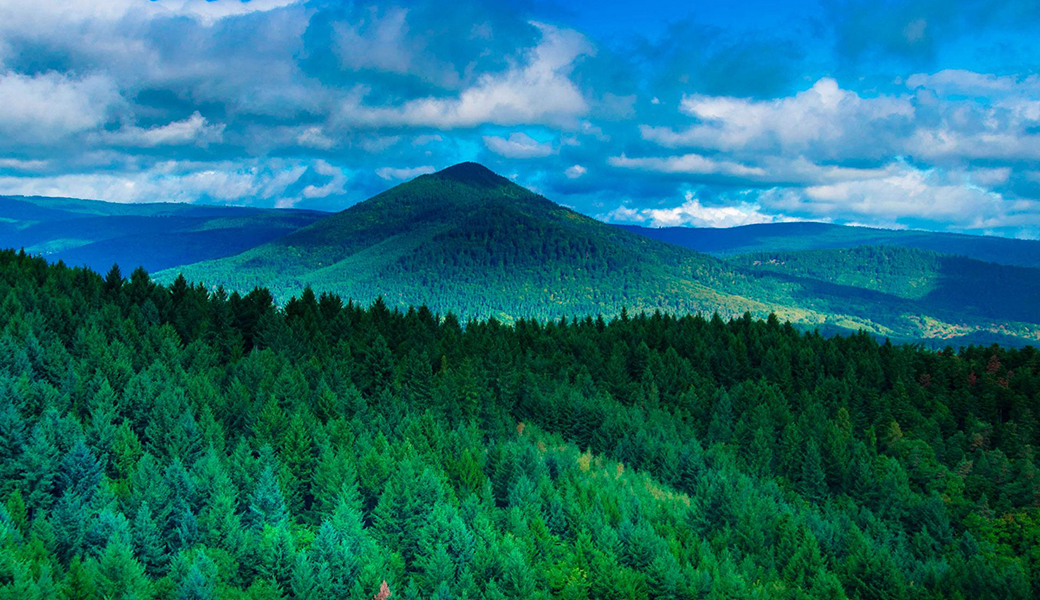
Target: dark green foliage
{"type": "Point", "coordinates": [213, 446]}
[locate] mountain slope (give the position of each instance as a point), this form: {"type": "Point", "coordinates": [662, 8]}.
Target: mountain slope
{"type": "Point", "coordinates": [932, 282]}
{"type": "Point", "coordinates": [779, 237]}
{"type": "Point", "coordinates": [468, 241]}
{"type": "Point", "coordinates": [156, 236]}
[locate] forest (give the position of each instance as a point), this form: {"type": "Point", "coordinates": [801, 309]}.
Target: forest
{"type": "Point", "coordinates": [177, 442]}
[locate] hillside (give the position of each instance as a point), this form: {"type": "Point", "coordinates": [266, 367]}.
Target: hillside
{"type": "Point", "coordinates": [171, 443]}
{"type": "Point", "coordinates": [468, 241]}
{"type": "Point", "coordinates": [156, 236]}
{"type": "Point", "coordinates": [785, 237]}
{"type": "Point", "coordinates": [929, 283]}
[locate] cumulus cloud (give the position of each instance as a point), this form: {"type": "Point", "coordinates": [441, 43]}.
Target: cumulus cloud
{"type": "Point", "coordinates": [575, 171]}
{"type": "Point", "coordinates": [688, 164]}
{"type": "Point", "coordinates": [195, 130]}
{"type": "Point", "coordinates": [908, 195]}
{"type": "Point", "coordinates": [964, 81]}
{"type": "Point", "coordinates": [518, 145]}
{"type": "Point", "coordinates": [536, 92]}
{"type": "Point", "coordinates": [170, 181]}
{"type": "Point", "coordinates": [314, 137]}
{"type": "Point", "coordinates": [335, 185]}
{"type": "Point", "coordinates": [17, 164]}
{"type": "Point", "coordinates": [824, 120]}
{"type": "Point", "coordinates": [691, 213]}
{"type": "Point", "coordinates": [206, 12]}
{"type": "Point", "coordinates": [47, 107]}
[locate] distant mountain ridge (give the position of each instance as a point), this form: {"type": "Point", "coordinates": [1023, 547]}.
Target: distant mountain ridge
{"type": "Point", "coordinates": [469, 241]}
{"type": "Point", "coordinates": [154, 235]}
{"type": "Point", "coordinates": [777, 237]}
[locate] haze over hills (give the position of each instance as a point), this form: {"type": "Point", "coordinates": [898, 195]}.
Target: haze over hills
{"type": "Point", "coordinates": [774, 237]}
{"type": "Point", "coordinates": [156, 236]}
{"type": "Point", "coordinates": [469, 241]}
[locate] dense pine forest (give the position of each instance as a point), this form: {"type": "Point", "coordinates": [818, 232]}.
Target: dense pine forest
{"type": "Point", "coordinates": [170, 442]}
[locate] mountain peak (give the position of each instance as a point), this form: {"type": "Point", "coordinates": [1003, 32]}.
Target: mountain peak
{"type": "Point", "coordinates": [471, 173]}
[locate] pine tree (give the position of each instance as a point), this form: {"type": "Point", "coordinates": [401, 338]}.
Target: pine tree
{"type": "Point", "coordinates": [377, 368]}
{"type": "Point", "coordinates": [148, 543]}
{"type": "Point", "coordinates": [113, 281]}
{"type": "Point", "coordinates": [813, 479]}
{"type": "Point", "coordinates": [267, 505]}
{"type": "Point", "coordinates": [80, 472]}
{"type": "Point", "coordinates": [200, 581]}
{"type": "Point", "coordinates": [720, 429]}
{"type": "Point", "coordinates": [119, 576]}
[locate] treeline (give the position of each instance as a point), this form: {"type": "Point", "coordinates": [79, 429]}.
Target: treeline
{"type": "Point", "coordinates": [172, 442]}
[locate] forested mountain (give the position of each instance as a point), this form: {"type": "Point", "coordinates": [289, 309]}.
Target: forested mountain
{"type": "Point", "coordinates": [155, 236]}
{"type": "Point", "coordinates": [783, 237]}
{"type": "Point", "coordinates": [934, 282]}
{"type": "Point", "coordinates": [172, 443]}
{"type": "Point", "coordinates": [468, 241]}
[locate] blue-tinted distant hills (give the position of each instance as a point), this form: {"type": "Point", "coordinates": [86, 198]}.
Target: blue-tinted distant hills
{"type": "Point", "coordinates": [470, 242]}
{"type": "Point", "coordinates": [780, 237]}
{"type": "Point", "coordinates": [467, 241]}
{"type": "Point", "coordinates": [155, 235]}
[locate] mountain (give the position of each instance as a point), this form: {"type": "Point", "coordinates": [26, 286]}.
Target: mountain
{"type": "Point", "coordinates": [156, 236]}
{"type": "Point", "coordinates": [469, 241]}
{"type": "Point", "coordinates": [922, 281]}
{"type": "Point", "coordinates": [775, 237]}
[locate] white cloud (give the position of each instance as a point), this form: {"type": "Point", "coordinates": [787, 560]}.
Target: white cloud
{"type": "Point", "coordinates": [536, 92]}
{"type": "Point", "coordinates": [953, 198]}
{"type": "Point", "coordinates": [909, 193]}
{"type": "Point", "coordinates": [518, 145]}
{"type": "Point", "coordinates": [206, 12]}
{"type": "Point", "coordinates": [689, 164]}
{"type": "Point", "coordinates": [823, 120]}
{"type": "Point", "coordinates": [391, 173]}
{"type": "Point", "coordinates": [335, 185]}
{"type": "Point", "coordinates": [692, 213]}
{"type": "Point", "coordinates": [195, 130]}
{"type": "Point", "coordinates": [314, 137]}
{"type": "Point", "coordinates": [969, 82]}
{"type": "Point", "coordinates": [168, 181]}
{"type": "Point", "coordinates": [575, 171]}
{"type": "Point", "coordinates": [17, 164]}
{"type": "Point", "coordinates": [50, 106]}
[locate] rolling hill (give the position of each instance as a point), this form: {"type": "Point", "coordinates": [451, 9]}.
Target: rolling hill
{"type": "Point", "coordinates": [928, 283]}
{"type": "Point", "coordinates": [469, 241]}
{"type": "Point", "coordinates": [781, 237]}
{"type": "Point", "coordinates": [156, 236]}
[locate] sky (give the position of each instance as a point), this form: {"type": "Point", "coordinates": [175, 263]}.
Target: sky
{"type": "Point", "coordinates": [917, 114]}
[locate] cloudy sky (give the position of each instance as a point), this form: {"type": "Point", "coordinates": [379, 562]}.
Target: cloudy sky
{"type": "Point", "coordinates": [920, 113]}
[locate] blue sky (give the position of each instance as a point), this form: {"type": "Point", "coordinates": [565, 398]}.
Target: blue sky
{"type": "Point", "coordinates": [921, 114]}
